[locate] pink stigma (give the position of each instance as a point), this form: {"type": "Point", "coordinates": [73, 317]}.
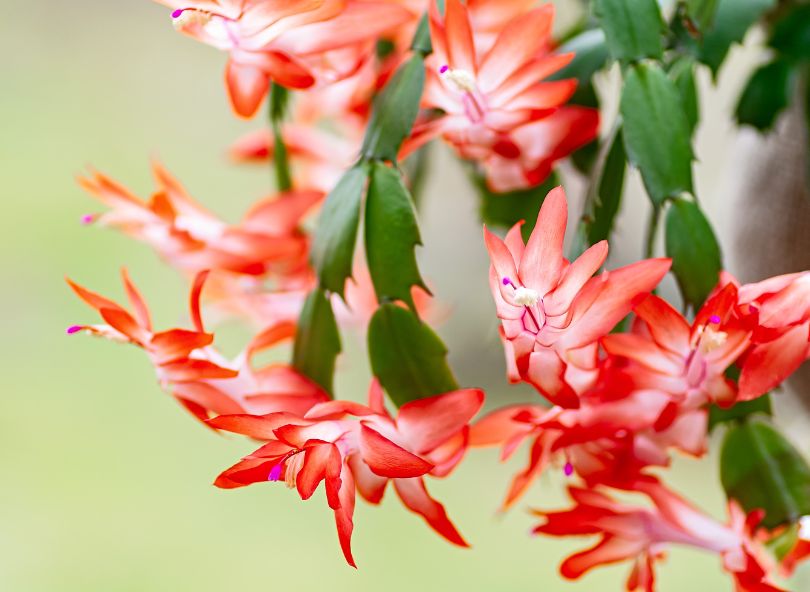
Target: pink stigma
{"type": "Point", "coordinates": [88, 219]}
{"type": "Point", "coordinates": [568, 469]}
{"type": "Point", "coordinates": [714, 319]}
{"type": "Point", "coordinates": [275, 473]}
{"type": "Point", "coordinates": [444, 69]}
{"type": "Point", "coordinates": [178, 12]}
{"type": "Point", "coordinates": [507, 282]}
{"type": "Point", "coordinates": [73, 329]}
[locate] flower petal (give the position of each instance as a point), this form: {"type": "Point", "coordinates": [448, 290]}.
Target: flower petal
{"type": "Point", "coordinates": [518, 42]}
{"type": "Point", "coordinates": [388, 459]}
{"type": "Point", "coordinates": [370, 485]}
{"type": "Point", "coordinates": [542, 261]}
{"type": "Point", "coordinates": [619, 290]}
{"type": "Point", "coordinates": [416, 498]}
{"type": "Point", "coordinates": [344, 514]}
{"type": "Point", "coordinates": [460, 45]}
{"type": "Point", "coordinates": [428, 423]}
{"type": "Point", "coordinates": [666, 325]}
{"type": "Point", "coordinates": [574, 278]}
{"type": "Point", "coordinates": [771, 363]}
{"type": "Point", "coordinates": [247, 87]}
{"type": "Point", "coordinates": [609, 550]}
{"type": "Point", "coordinates": [317, 459]}
{"type": "Point", "coordinates": [137, 302]}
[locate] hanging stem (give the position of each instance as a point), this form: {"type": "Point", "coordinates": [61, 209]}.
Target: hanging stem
{"type": "Point", "coordinates": [279, 97]}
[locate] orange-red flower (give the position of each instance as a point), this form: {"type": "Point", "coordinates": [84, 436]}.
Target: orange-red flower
{"type": "Point", "coordinates": [689, 362]}
{"type": "Point", "coordinates": [642, 534]}
{"type": "Point", "coordinates": [479, 95]}
{"type": "Point", "coordinates": [780, 307]}
{"type": "Point", "coordinates": [553, 312]}
{"type": "Point", "coordinates": [297, 43]}
{"type": "Point", "coordinates": [268, 239]}
{"type": "Point", "coordinates": [526, 156]}
{"type": "Point", "coordinates": [196, 374]}
{"type": "Point", "coordinates": [608, 440]}
{"type": "Point", "coordinates": [348, 445]}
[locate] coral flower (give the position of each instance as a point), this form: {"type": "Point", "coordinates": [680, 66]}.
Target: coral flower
{"type": "Point", "coordinates": [553, 311]}
{"type": "Point", "coordinates": [348, 445]}
{"type": "Point", "coordinates": [295, 43]}
{"type": "Point", "coordinates": [177, 354]}
{"type": "Point", "coordinates": [688, 362]}
{"type": "Point", "coordinates": [188, 366]}
{"type": "Point", "coordinates": [268, 239]}
{"type": "Point", "coordinates": [525, 157]}
{"type": "Point", "coordinates": [603, 441]}
{"type": "Point", "coordinates": [485, 96]}
{"type": "Point", "coordinates": [781, 306]}
{"type": "Point", "coordinates": [641, 535]}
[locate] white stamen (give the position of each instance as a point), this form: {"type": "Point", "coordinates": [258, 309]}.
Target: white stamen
{"type": "Point", "coordinates": [461, 79]}
{"type": "Point", "coordinates": [711, 339]}
{"type": "Point", "coordinates": [526, 296]}
{"type": "Point", "coordinates": [294, 465]}
{"type": "Point", "coordinates": [191, 17]}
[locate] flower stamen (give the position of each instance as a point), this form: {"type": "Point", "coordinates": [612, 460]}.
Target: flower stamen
{"type": "Point", "coordinates": [186, 17]}
{"type": "Point", "coordinates": [526, 296]}
{"type": "Point", "coordinates": [464, 82]}
{"type": "Point", "coordinates": [290, 464]}
{"type": "Point", "coordinates": [568, 469]}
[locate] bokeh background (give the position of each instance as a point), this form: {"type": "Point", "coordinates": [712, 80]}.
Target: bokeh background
{"type": "Point", "coordinates": [105, 483]}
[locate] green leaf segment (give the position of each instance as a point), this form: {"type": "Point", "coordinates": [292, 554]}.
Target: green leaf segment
{"type": "Point", "coordinates": [761, 469]}
{"type": "Point", "coordinates": [407, 357]}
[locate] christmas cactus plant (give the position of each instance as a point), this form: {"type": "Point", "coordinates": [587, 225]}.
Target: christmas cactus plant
{"type": "Point", "coordinates": [355, 92]}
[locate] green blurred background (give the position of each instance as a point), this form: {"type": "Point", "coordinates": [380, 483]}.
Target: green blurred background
{"type": "Point", "coordinates": [106, 482]}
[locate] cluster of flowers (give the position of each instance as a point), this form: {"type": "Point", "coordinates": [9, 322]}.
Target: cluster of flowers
{"type": "Point", "coordinates": [621, 402]}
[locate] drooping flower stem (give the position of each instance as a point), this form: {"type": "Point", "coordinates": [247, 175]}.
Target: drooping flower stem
{"type": "Point", "coordinates": [278, 99]}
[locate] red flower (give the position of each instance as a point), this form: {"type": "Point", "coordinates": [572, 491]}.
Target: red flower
{"type": "Point", "coordinates": [198, 376]}
{"type": "Point", "coordinates": [604, 441]}
{"type": "Point", "coordinates": [552, 311]}
{"type": "Point", "coordinates": [491, 97]}
{"type": "Point", "coordinates": [348, 445]}
{"type": "Point", "coordinates": [526, 156]}
{"type": "Point", "coordinates": [297, 43]}
{"type": "Point", "coordinates": [686, 361]}
{"type": "Point", "coordinates": [641, 535]}
{"type": "Point", "coordinates": [267, 240]}
{"type": "Point", "coordinates": [781, 309]}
